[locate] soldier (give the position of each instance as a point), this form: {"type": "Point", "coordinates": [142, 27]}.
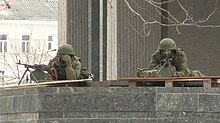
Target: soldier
{"type": "Point", "coordinates": [168, 60]}
{"type": "Point", "coordinates": [65, 65]}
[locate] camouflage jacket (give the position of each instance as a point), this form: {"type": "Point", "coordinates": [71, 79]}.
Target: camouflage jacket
{"type": "Point", "coordinates": [178, 60]}
{"type": "Point", "coordinates": [60, 66]}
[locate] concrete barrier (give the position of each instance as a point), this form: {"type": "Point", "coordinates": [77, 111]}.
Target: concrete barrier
{"type": "Point", "coordinates": [96, 104]}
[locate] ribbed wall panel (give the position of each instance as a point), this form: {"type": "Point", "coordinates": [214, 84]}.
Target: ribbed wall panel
{"type": "Point", "coordinates": [133, 50]}
{"type": "Point", "coordinates": [77, 27]}
{"type": "Point", "coordinates": [201, 45]}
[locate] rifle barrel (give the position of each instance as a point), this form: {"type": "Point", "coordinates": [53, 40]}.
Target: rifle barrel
{"type": "Point", "coordinates": [166, 62]}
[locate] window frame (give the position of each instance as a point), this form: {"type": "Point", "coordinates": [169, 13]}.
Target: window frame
{"type": "Point", "coordinates": [4, 43]}
{"type": "Point", "coordinates": [25, 43]}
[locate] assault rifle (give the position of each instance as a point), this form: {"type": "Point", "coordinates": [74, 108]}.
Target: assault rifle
{"type": "Point", "coordinates": [166, 63]}
{"type": "Point", "coordinates": [37, 67]}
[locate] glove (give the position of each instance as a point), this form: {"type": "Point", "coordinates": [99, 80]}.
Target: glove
{"type": "Point", "coordinates": [53, 74]}
{"type": "Point", "coordinates": [67, 59]}
{"type": "Point", "coordinates": [70, 73]}
{"type": "Point", "coordinates": [140, 72]}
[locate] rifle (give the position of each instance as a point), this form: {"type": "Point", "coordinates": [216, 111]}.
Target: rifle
{"type": "Point", "coordinates": [37, 67]}
{"type": "Point", "coordinates": [166, 62]}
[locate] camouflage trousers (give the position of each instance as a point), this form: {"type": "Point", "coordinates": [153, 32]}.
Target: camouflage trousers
{"type": "Point", "coordinates": [196, 73]}
{"type": "Point", "coordinates": [144, 73]}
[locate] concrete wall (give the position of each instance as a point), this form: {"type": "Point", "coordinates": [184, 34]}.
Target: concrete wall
{"type": "Point", "coordinates": [97, 104]}
{"type": "Point", "coordinates": [200, 44]}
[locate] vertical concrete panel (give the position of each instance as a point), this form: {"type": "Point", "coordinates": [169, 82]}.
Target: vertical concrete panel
{"type": "Point", "coordinates": [134, 49]}
{"type": "Point", "coordinates": [200, 44]}
{"type": "Point", "coordinates": [62, 23]}
{"type": "Point", "coordinates": [112, 39]}
{"type": "Point", "coordinates": [95, 38]}
{"type": "Point", "coordinates": [77, 27]}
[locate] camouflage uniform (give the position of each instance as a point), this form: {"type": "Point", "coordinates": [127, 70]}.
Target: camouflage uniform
{"type": "Point", "coordinates": [65, 65]}
{"type": "Point", "coordinates": [177, 62]}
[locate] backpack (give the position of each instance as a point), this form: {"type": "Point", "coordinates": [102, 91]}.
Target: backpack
{"type": "Point", "coordinates": [84, 73]}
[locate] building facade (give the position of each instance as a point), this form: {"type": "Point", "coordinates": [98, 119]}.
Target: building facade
{"type": "Point", "coordinates": [27, 35]}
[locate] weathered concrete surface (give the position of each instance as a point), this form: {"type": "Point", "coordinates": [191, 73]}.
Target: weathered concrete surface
{"type": "Point", "coordinates": [109, 105]}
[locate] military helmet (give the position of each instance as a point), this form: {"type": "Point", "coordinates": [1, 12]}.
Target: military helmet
{"type": "Point", "coordinates": [66, 49]}
{"type": "Point", "coordinates": [167, 44]}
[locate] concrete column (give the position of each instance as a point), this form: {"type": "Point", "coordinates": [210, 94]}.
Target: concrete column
{"type": "Point", "coordinates": [111, 39]}
{"type": "Point", "coordinates": [101, 40]}
{"type": "Point", "coordinates": [90, 35]}
{"type": "Point", "coordinates": [62, 21]}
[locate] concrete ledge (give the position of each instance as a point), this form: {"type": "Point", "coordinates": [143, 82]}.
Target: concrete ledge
{"type": "Point", "coordinates": [110, 104]}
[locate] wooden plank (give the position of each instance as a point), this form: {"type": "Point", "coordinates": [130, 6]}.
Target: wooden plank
{"type": "Point", "coordinates": [168, 83]}
{"type": "Point", "coordinates": [132, 84]}
{"type": "Point", "coordinates": [217, 84]}
{"type": "Point", "coordinates": [64, 82]}
{"type": "Point", "coordinates": [187, 80]}
{"type": "Point", "coordinates": [48, 83]}
{"type": "Point", "coordinates": [170, 78]}
{"type": "Point", "coordinates": [215, 80]}
{"type": "Point", "coordinates": [207, 83]}
{"type": "Point", "coordinates": [159, 80]}
{"type": "Point", "coordinates": [29, 85]}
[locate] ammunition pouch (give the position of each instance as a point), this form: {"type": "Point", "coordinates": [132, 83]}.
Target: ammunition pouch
{"type": "Point", "coordinates": [38, 74]}
{"type": "Point", "coordinates": [165, 71]}
{"type": "Point", "coordinates": [84, 73]}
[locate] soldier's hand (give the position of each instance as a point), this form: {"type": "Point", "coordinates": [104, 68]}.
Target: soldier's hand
{"type": "Point", "coordinates": [67, 59]}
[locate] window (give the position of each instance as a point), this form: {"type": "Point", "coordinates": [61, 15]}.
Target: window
{"type": "Point", "coordinates": [3, 43]}
{"type": "Point", "coordinates": [50, 41]}
{"type": "Point", "coordinates": [25, 43]}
